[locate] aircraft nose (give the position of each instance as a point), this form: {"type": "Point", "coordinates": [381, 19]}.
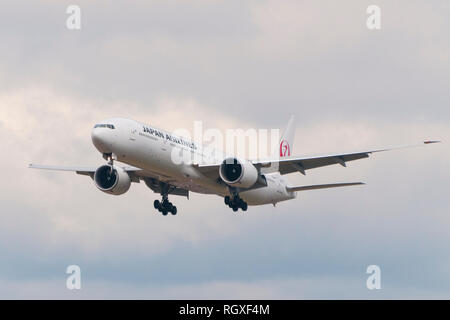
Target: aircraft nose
{"type": "Point", "coordinates": [100, 140]}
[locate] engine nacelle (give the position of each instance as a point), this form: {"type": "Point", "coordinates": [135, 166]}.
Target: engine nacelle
{"type": "Point", "coordinates": [113, 180]}
{"type": "Point", "coordinates": [238, 173]}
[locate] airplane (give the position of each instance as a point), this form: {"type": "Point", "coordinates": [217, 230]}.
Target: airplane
{"type": "Point", "coordinates": [146, 152]}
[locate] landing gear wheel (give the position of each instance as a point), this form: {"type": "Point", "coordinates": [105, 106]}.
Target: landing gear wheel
{"type": "Point", "coordinates": [165, 206]}
{"type": "Point", "coordinates": [235, 202]}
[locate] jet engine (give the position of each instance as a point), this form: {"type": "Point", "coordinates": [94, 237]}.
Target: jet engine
{"type": "Point", "coordinates": [112, 179]}
{"type": "Point", "coordinates": [237, 173]}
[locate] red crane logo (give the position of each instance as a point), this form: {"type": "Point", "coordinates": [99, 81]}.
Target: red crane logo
{"type": "Point", "coordinates": [285, 149]}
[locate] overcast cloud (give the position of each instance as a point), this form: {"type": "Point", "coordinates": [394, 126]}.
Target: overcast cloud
{"type": "Point", "coordinates": [246, 64]}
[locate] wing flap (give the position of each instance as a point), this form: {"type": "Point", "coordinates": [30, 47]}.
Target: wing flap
{"type": "Point", "coordinates": [323, 186]}
{"type": "Point", "coordinates": [62, 168]}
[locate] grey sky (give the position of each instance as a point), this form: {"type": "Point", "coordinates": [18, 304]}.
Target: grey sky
{"type": "Point", "coordinates": [230, 64]}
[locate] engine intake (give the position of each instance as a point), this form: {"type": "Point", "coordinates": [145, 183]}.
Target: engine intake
{"type": "Point", "coordinates": [238, 173]}
{"type": "Point", "coordinates": [113, 180]}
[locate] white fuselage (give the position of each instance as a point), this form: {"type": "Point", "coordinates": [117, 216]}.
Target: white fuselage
{"type": "Point", "coordinates": [150, 149]}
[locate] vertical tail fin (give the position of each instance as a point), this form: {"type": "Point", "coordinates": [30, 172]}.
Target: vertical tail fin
{"type": "Point", "coordinates": [287, 139]}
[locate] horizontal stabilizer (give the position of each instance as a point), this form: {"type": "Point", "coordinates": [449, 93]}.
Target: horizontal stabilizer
{"type": "Point", "coordinates": [323, 186]}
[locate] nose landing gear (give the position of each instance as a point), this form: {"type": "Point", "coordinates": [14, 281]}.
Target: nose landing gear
{"type": "Point", "coordinates": [235, 203]}
{"type": "Point", "coordinates": [110, 157]}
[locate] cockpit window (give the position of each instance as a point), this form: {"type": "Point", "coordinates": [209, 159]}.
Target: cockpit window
{"type": "Point", "coordinates": [110, 126]}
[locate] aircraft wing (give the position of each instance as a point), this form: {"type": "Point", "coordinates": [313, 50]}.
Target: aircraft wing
{"type": "Point", "coordinates": [152, 180]}
{"type": "Point", "coordinates": [301, 164]}
{"type": "Point", "coordinates": [135, 173]}
{"type": "Point", "coordinates": [80, 170]}
{"type": "Point", "coordinates": [323, 186]}
{"type": "Point", "coordinates": [305, 163]}
{"type": "Point", "coordinates": [88, 171]}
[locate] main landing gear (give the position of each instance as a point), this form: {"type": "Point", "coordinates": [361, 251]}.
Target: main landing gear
{"type": "Point", "coordinates": [165, 206]}
{"type": "Point", "coordinates": [235, 203]}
